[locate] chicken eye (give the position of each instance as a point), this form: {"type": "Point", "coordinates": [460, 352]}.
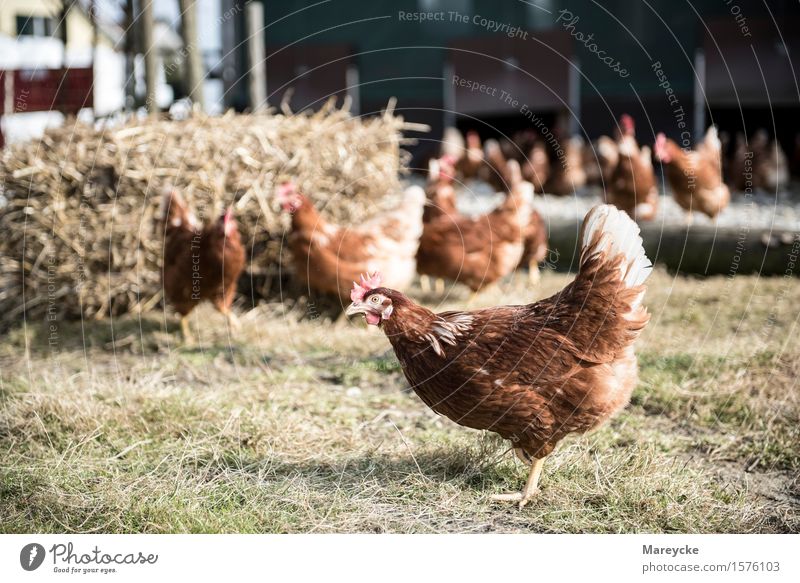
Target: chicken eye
{"type": "Point", "coordinates": [374, 299]}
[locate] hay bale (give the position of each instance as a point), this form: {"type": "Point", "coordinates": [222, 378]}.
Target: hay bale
{"type": "Point", "coordinates": [78, 227]}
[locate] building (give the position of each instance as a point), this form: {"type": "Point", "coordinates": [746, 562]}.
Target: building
{"type": "Point", "coordinates": [32, 54]}
{"type": "Point", "coordinates": [494, 66]}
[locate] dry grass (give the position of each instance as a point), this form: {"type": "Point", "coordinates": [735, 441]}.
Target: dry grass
{"type": "Point", "coordinates": [299, 425]}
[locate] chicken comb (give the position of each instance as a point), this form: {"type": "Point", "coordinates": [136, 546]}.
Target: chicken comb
{"type": "Point", "coordinates": [367, 283]}
{"type": "Point", "coordinates": [627, 122]}
{"type": "Point", "coordinates": [661, 142]}
{"type": "Point", "coordinates": [447, 166]}
{"type": "Point", "coordinates": [448, 159]}
{"type": "Point", "coordinates": [285, 190]}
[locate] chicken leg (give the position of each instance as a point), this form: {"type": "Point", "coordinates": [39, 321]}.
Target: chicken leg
{"type": "Point", "coordinates": [188, 339]}
{"type": "Point", "coordinates": [425, 283]}
{"type": "Point", "coordinates": [529, 491]}
{"type": "Point", "coordinates": [534, 275]}
{"type": "Point", "coordinates": [439, 286]}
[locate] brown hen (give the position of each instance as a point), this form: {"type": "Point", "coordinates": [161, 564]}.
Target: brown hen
{"type": "Point", "coordinates": [328, 257]}
{"type": "Point", "coordinates": [695, 176]}
{"type": "Point", "coordinates": [633, 183]}
{"type": "Point", "coordinates": [200, 263]}
{"type": "Point", "coordinates": [475, 251]}
{"type": "Point", "coordinates": [532, 373]}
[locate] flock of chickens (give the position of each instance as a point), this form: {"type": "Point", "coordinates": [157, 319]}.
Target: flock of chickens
{"type": "Point", "coordinates": [532, 373]}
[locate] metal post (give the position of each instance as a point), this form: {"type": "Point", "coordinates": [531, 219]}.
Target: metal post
{"type": "Point", "coordinates": [257, 78]}
{"type": "Point", "coordinates": [194, 63]}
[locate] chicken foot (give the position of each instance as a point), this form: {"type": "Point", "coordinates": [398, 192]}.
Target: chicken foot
{"type": "Point", "coordinates": [531, 486]}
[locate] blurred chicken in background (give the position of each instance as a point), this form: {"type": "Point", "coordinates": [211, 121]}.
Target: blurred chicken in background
{"type": "Point", "coordinates": [200, 262]}
{"type": "Point", "coordinates": [695, 176]}
{"type": "Point", "coordinates": [476, 251]}
{"type": "Point", "coordinates": [632, 187]}
{"type": "Point", "coordinates": [328, 257]}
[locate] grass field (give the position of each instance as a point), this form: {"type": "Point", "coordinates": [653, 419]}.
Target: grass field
{"type": "Point", "coordinates": [301, 425]}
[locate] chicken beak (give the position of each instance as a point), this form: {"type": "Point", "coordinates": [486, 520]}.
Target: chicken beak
{"type": "Point", "coordinates": [353, 309]}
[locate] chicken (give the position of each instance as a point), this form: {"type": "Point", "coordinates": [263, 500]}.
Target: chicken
{"type": "Point", "coordinates": [534, 233]}
{"type": "Point", "coordinates": [441, 202]}
{"type": "Point", "coordinates": [475, 251]}
{"type": "Point", "coordinates": [495, 168]}
{"type": "Point", "coordinates": [770, 166]}
{"type": "Point", "coordinates": [532, 373]}
{"type": "Point", "coordinates": [633, 183]}
{"type": "Point", "coordinates": [328, 257]}
{"type": "Point", "coordinates": [440, 194]}
{"type": "Point", "coordinates": [452, 143]}
{"type": "Point", "coordinates": [740, 166]}
{"type": "Point", "coordinates": [795, 164]}
{"type": "Point", "coordinates": [470, 164]}
{"type": "Point", "coordinates": [536, 167]}
{"type": "Point", "coordinates": [200, 263]}
{"type": "Point", "coordinates": [534, 245]}
{"type": "Point", "coordinates": [567, 174]}
{"type": "Point", "coordinates": [600, 161]}
{"type": "Point", "coordinates": [695, 176]}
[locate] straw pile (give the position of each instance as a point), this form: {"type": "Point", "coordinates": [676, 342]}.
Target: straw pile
{"type": "Point", "coordinates": [78, 235]}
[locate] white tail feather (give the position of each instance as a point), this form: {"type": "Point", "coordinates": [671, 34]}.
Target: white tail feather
{"type": "Point", "coordinates": [620, 236]}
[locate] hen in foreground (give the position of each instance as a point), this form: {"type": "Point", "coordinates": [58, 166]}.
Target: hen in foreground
{"type": "Point", "coordinates": [200, 263]}
{"type": "Point", "coordinates": [532, 373]}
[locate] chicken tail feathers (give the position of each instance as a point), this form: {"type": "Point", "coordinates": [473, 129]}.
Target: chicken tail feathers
{"type": "Point", "coordinates": [174, 211]}
{"type": "Point", "coordinates": [610, 231]}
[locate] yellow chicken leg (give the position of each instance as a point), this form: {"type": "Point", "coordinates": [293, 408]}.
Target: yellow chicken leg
{"type": "Point", "coordinates": [529, 491]}
{"type": "Point", "coordinates": [186, 330]}
{"type": "Point", "coordinates": [425, 283]}
{"type": "Point", "coordinates": [439, 286]}
{"type": "Point", "coordinates": [534, 275]}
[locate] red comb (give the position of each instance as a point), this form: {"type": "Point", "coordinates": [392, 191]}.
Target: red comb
{"type": "Point", "coordinates": [367, 283]}
{"type": "Point", "coordinates": [627, 122]}
{"type": "Point", "coordinates": [448, 159]}
{"type": "Point", "coordinates": [286, 189]}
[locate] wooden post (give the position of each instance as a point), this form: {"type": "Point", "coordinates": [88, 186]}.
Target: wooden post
{"type": "Point", "coordinates": [150, 57]}
{"type": "Point", "coordinates": [194, 63]}
{"type": "Point", "coordinates": [130, 53]}
{"type": "Point", "coordinates": [95, 43]}
{"type": "Point", "coordinates": [257, 78]}
{"type": "Point", "coordinates": [65, 6]}
{"type": "Point", "coordinates": [699, 121]}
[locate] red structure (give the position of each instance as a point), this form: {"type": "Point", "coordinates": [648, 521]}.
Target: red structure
{"type": "Point", "coordinates": [64, 90]}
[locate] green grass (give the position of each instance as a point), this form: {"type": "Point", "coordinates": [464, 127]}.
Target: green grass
{"type": "Point", "coordinates": [302, 425]}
